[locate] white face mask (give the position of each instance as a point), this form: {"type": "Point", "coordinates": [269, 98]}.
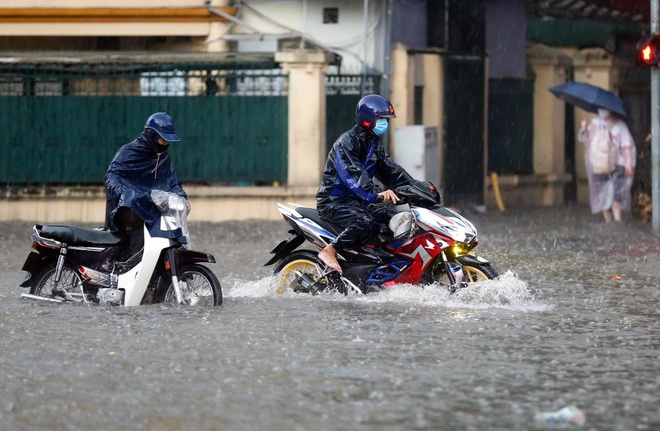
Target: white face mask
{"type": "Point", "coordinates": [603, 113]}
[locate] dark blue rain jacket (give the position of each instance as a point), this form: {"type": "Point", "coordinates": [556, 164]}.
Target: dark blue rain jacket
{"type": "Point", "coordinates": [136, 170]}
{"type": "Point", "coordinates": [356, 158]}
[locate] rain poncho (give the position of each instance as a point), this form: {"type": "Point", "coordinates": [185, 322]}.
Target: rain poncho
{"type": "Point", "coordinates": [355, 159]}
{"type": "Point", "coordinates": [136, 170]}
{"type": "Point", "coordinates": [348, 193]}
{"type": "Point", "coordinates": [615, 186]}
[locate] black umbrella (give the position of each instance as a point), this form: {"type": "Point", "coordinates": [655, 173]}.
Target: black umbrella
{"type": "Point", "coordinates": [589, 97]}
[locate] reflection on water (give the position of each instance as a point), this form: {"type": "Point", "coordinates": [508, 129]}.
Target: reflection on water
{"type": "Point", "coordinates": [572, 320]}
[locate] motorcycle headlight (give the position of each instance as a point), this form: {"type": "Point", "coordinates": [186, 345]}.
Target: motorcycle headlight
{"type": "Point", "coordinates": [460, 248]}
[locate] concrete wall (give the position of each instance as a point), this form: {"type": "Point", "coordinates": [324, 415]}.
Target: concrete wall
{"type": "Point", "coordinates": [212, 204]}
{"type": "Point", "coordinates": [45, 24]}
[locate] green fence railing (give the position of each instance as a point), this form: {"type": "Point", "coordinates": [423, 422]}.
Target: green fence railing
{"type": "Point", "coordinates": [62, 123]}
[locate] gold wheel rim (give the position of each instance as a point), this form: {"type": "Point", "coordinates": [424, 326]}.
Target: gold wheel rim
{"type": "Point", "coordinates": [288, 273]}
{"type": "Point", "coordinates": [474, 275]}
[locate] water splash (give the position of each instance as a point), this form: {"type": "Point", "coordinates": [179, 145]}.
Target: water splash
{"type": "Point", "coordinates": [251, 289]}
{"type": "Point", "coordinates": [506, 291]}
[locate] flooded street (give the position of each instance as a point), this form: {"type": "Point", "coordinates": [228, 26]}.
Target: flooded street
{"type": "Point", "coordinates": [580, 326]}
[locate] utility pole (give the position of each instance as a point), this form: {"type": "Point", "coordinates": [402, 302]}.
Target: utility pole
{"type": "Point", "coordinates": [365, 41]}
{"type": "Point", "coordinates": [655, 126]}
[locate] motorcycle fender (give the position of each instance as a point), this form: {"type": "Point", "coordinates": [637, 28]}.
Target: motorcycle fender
{"type": "Point", "coordinates": [285, 247]}
{"type": "Point", "coordinates": [33, 264]}
{"type": "Point", "coordinates": [189, 256]}
{"type": "Point", "coordinates": [470, 258]}
{"type": "Point", "coordinates": [28, 280]}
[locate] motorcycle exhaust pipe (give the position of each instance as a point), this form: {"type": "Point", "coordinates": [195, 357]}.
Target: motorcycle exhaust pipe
{"type": "Point", "coordinates": [306, 283]}
{"type": "Point", "coordinates": [40, 298]}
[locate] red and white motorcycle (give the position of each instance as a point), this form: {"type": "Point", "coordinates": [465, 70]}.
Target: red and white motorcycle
{"type": "Point", "coordinates": [432, 245]}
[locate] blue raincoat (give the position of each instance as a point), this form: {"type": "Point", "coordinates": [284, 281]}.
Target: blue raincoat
{"type": "Point", "coordinates": [355, 159]}
{"type": "Point", "coordinates": [136, 170]}
{"type": "Point", "coordinates": [348, 194]}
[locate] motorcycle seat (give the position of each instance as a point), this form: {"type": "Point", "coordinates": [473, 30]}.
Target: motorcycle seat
{"type": "Point", "coordinates": [74, 235]}
{"type": "Point", "coordinates": [313, 215]}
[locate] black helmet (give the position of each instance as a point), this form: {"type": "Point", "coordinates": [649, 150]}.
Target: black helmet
{"type": "Point", "coordinates": [163, 124]}
{"type": "Point", "coordinates": [370, 107]}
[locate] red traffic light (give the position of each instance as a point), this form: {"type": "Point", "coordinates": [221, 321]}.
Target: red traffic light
{"type": "Point", "coordinates": [648, 51]}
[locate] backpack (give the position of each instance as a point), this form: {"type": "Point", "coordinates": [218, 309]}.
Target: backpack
{"type": "Point", "coordinates": [602, 151]}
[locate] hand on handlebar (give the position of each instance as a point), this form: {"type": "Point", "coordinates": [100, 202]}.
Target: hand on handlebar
{"type": "Point", "coordinates": [388, 196]}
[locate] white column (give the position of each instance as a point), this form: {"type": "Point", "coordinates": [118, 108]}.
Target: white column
{"type": "Point", "coordinates": [307, 113]}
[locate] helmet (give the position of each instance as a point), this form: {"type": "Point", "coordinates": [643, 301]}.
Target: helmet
{"type": "Point", "coordinates": [370, 107]}
{"type": "Point", "coordinates": [163, 124]}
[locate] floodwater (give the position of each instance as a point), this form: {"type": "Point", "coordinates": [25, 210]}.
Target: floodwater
{"type": "Point", "coordinates": [580, 326]}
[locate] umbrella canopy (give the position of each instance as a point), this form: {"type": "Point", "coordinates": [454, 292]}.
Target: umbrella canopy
{"type": "Point", "coordinates": [589, 97]}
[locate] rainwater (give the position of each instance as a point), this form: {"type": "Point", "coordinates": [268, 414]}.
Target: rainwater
{"type": "Point", "coordinates": [574, 319]}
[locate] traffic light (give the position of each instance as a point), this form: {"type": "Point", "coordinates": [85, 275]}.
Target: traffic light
{"type": "Point", "coordinates": [648, 51]}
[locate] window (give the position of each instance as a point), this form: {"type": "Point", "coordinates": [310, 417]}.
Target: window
{"type": "Point", "coordinates": [330, 15]}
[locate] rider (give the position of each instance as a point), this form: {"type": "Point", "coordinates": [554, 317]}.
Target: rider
{"type": "Point", "coordinates": [348, 196]}
{"type": "Point", "coordinates": [138, 168]}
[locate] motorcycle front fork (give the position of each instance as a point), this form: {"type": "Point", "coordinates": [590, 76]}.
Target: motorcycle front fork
{"type": "Point", "coordinates": [171, 264]}
{"type": "Point", "coordinates": [454, 274]}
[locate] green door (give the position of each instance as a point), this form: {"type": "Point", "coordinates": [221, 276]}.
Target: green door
{"type": "Point", "coordinates": [464, 128]}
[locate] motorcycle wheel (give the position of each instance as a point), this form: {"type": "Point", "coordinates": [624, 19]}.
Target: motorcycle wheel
{"type": "Point", "coordinates": [475, 273]}
{"type": "Point", "coordinates": [44, 282]}
{"type": "Point", "coordinates": [304, 261]}
{"type": "Point", "coordinates": [199, 287]}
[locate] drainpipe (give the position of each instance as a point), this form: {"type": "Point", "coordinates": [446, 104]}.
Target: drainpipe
{"type": "Point", "coordinates": [655, 127]}
{"type": "Point", "coordinates": [387, 51]}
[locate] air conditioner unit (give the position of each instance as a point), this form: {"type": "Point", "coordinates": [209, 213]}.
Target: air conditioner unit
{"type": "Point", "coordinates": [416, 150]}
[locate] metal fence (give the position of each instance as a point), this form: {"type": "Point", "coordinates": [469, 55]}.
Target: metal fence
{"type": "Point", "coordinates": [343, 93]}
{"type": "Point", "coordinates": [63, 119]}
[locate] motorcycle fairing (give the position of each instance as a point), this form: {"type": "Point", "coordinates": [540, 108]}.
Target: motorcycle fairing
{"type": "Point", "coordinates": [387, 272]}
{"type": "Point", "coordinates": [135, 281]}
{"type": "Point", "coordinates": [445, 222]}
{"type": "Point", "coordinates": [422, 250]}
{"type": "Point", "coordinates": [315, 233]}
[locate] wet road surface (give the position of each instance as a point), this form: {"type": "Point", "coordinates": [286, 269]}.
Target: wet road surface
{"type": "Point", "coordinates": [580, 325]}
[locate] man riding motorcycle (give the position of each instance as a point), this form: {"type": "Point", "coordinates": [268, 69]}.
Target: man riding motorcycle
{"type": "Point", "coordinates": [138, 168]}
{"type": "Point", "coordinates": [348, 195]}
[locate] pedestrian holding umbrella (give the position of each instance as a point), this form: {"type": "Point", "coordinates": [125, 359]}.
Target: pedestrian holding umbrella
{"type": "Point", "coordinates": [589, 97]}
{"type": "Point", "coordinates": [610, 152]}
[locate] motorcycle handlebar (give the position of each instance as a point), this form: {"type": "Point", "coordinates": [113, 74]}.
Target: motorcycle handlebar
{"type": "Point", "coordinates": [401, 201]}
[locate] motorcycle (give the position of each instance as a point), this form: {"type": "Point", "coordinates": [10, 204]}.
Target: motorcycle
{"type": "Point", "coordinates": [70, 263]}
{"type": "Point", "coordinates": [432, 245]}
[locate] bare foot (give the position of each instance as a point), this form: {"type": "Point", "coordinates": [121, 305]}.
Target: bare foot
{"type": "Point", "coordinates": [329, 256]}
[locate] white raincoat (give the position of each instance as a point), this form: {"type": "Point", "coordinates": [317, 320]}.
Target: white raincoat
{"type": "Point", "coordinates": [615, 186]}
